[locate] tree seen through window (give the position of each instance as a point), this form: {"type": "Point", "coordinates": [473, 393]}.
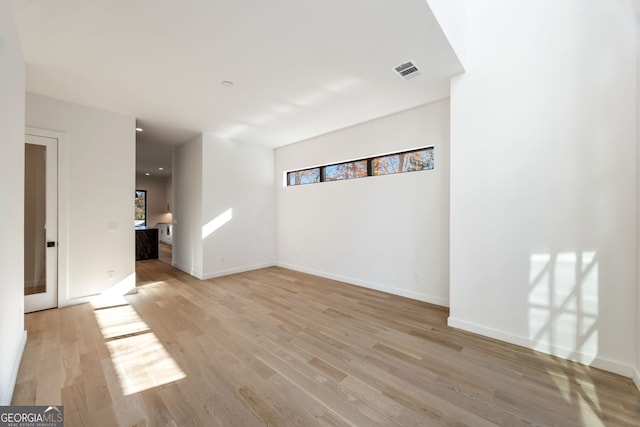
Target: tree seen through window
{"type": "Point", "coordinates": [141, 208]}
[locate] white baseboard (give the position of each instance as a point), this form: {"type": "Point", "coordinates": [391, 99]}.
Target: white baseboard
{"type": "Point", "coordinates": [636, 378]}
{"type": "Point", "coordinates": [370, 285]}
{"type": "Point", "coordinates": [488, 332]}
{"type": "Point", "coordinates": [585, 359]}
{"type": "Point", "coordinates": [126, 286]}
{"type": "Point", "coordinates": [214, 274]}
{"type": "Point", "coordinates": [6, 398]}
{"type": "Point", "coordinates": [444, 302]}
{"type": "Point", "coordinates": [612, 366]}
{"type": "Point", "coordinates": [187, 270]}
{"type": "Point", "coordinates": [79, 300]}
{"type": "Point", "coordinates": [221, 273]}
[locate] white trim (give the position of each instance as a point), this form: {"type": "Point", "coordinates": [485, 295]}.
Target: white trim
{"type": "Point", "coordinates": [636, 378]}
{"type": "Point", "coordinates": [444, 302]}
{"type": "Point", "coordinates": [597, 362]}
{"type": "Point", "coordinates": [7, 397]}
{"type": "Point", "coordinates": [126, 286]}
{"type": "Point", "coordinates": [237, 270]}
{"type": "Point", "coordinates": [80, 300]}
{"type": "Point", "coordinates": [91, 298]}
{"type": "Point", "coordinates": [612, 366]}
{"type": "Point", "coordinates": [63, 209]}
{"type": "Point", "coordinates": [349, 280]}
{"type": "Point", "coordinates": [372, 156]}
{"type": "Point", "coordinates": [220, 273]}
{"type": "Point", "coordinates": [187, 270]}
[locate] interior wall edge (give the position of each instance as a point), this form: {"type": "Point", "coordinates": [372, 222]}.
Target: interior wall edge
{"type": "Point", "coordinates": [7, 397]}
{"type": "Point", "coordinates": [91, 298]}
{"type": "Point", "coordinates": [371, 285]}
{"type": "Point", "coordinates": [213, 275]}
{"type": "Point", "coordinates": [190, 271]}
{"type": "Point", "coordinates": [597, 362]}
{"type": "Point", "coordinates": [63, 212]}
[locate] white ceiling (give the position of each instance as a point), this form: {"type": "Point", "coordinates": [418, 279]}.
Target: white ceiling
{"type": "Point", "coordinates": [300, 68]}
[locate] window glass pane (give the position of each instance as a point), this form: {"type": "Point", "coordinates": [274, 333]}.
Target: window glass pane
{"type": "Point", "coordinates": [345, 170]}
{"type": "Point", "coordinates": [400, 162]}
{"type": "Point", "coordinates": [418, 160]}
{"type": "Point", "coordinates": [403, 162]}
{"type": "Point", "coordinates": [386, 165]}
{"type": "Point", "coordinates": [141, 207]}
{"type": "Point", "coordinates": [306, 176]}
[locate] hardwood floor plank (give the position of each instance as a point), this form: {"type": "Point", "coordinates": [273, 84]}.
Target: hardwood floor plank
{"type": "Point", "coordinates": [76, 409]}
{"type": "Point", "coordinates": [280, 347]}
{"type": "Point", "coordinates": [332, 401]}
{"type": "Point", "coordinates": [50, 380]}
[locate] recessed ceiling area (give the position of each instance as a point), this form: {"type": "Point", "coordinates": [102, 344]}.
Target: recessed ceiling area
{"type": "Point", "coordinates": [295, 69]}
{"type": "Point", "coordinates": [154, 144]}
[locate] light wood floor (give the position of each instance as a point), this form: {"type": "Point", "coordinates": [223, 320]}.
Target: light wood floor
{"type": "Point", "coordinates": [165, 252]}
{"type": "Point", "coordinates": [276, 347]}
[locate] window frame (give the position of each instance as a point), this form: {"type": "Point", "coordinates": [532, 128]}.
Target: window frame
{"type": "Point", "coordinates": [144, 223]}
{"type": "Point", "coordinates": [369, 164]}
{"type": "Point", "coordinates": [300, 171]}
{"type": "Point", "coordinates": [324, 177]}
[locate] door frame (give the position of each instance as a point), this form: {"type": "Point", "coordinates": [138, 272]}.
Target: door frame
{"type": "Point", "coordinates": [63, 209]}
{"type": "Point", "coordinates": [41, 229]}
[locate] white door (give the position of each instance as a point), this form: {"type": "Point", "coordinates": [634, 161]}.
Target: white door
{"type": "Point", "coordinates": [40, 223]}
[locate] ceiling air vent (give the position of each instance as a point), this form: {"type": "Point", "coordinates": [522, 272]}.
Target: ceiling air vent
{"type": "Point", "coordinates": [408, 70]}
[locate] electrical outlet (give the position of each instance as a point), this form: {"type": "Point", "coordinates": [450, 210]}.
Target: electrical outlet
{"type": "Point", "coordinates": [110, 274]}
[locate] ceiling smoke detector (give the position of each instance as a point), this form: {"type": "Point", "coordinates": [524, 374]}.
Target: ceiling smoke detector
{"type": "Point", "coordinates": [408, 70]}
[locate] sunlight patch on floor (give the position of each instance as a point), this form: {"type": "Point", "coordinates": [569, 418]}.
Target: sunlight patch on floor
{"type": "Point", "coordinates": [150, 285]}
{"type": "Point", "coordinates": [119, 321]}
{"type": "Point", "coordinates": [139, 358]}
{"type": "Point", "coordinates": [114, 296]}
{"type": "Point", "coordinates": [563, 321]}
{"type": "Point", "coordinates": [588, 414]}
{"type": "Point", "coordinates": [142, 362]}
{"type": "Point", "coordinates": [562, 384]}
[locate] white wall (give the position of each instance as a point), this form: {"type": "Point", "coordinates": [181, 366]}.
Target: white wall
{"type": "Point", "coordinates": [12, 86]}
{"type": "Point", "coordinates": [390, 232]}
{"type": "Point", "coordinates": [168, 193]}
{"type": "Point", "coordinates": [543, 187]}
{"type": "Point", "coordinates": [636, 376]}
{"type": "Point", "coordinates": [187, 209]}
{"type": "Point", "coordinates": [156, 198]}
{"type": "Point", "coordinates": [451, 18]}
{"type": "Point", "coordinates": [224, 211]}
{"type": "Point", "coordinates": [97, 175]}
{"type": "Point", "coordinates": [238, 195]}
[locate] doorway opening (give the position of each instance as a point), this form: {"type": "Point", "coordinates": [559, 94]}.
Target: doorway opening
{"type": "Point", "coordinates": [40, 223]}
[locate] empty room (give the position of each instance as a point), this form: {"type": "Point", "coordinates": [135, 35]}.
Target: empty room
{"type": "Point", "coordinates": [368, 213]}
